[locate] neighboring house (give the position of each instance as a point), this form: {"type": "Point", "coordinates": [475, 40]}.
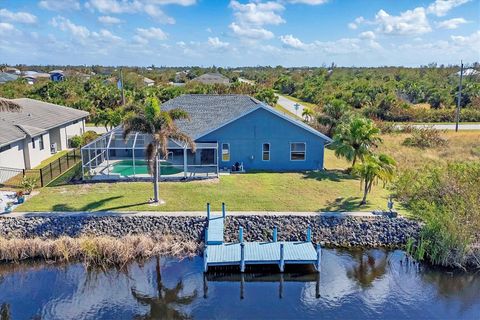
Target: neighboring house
{"type": "Point", "coordinates": [148, 82]}
{"type": "Point", "coordinates": [212, 78]}
{"type": "Point", "coordinates": [57, 75]}
{"type": "Point", "coordinates": [27, 137]}
{"type": "Point", "coordinates": [469, 72]}
{"type": "Point", "coordinates": [33, 76]}
{"type": "Point", "coordinates": [12, 70]}
{"type": "Point", "coordinates": [6, 77]}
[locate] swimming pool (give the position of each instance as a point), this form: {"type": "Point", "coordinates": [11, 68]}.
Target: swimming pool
{"type": "Point", "coordinates": [125, 168]}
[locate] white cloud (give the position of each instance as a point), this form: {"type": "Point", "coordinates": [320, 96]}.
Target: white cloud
{"type": "Point", "coordinates": [472, 41]}
{"type": "Point", "coordinates": [451, 23]}
{"type": "Point", "coordinates": [106, 35]}
{"type": "Point", "coordinates": [250, 18]}
{"type": "Point", "coordinates": [216, 43]}
{"type": "Point", "coordinates": [6, 27]}
{"type": "Point", "coordinates": [352, 26]}
{"type": "Point", "coordinates": [65, 24]}
{"type": "Point", "coordinates": [409, 22]}
{"type": "Point", "coordinates": [109, 20]}
{"type": "Point", "coordinates": [150, 7]}
{"type": "Point", "coordinates": [289, 41]}
{"type": "Point", "coordinates": [442, 7]}
{"type": "Point", "coordinates": [309, 2]}
{"type": "Point", "coordinates": [251, 32]}
{"type": "Point", "coordinates": [144, 35]}
{"type": "Point", "coordinates": [22, 17]}
{"type": "Point", "coordinates": [59, 5]}
{"type": "Point", "coordinates": [369, 35]}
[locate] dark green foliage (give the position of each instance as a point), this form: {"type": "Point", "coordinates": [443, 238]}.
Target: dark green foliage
{"type": "Point", "coordinates": [268, 96]}
{"type": "Point", "coordinates": [447, 199]}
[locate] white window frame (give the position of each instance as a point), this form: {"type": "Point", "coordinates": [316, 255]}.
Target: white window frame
{"type": "Point", "coordinates": [269, 151]}
{"type": "Point", "coordinates": [305, 152]}
{"type": "Point", "coordinates": [229, 152]}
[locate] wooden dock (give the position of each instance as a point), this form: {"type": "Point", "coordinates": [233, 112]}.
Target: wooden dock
{"type": "Point", "coordinates": [281, 253]}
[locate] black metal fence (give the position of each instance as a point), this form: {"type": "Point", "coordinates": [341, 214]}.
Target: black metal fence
{"type": "Point", "coordinates": [11, 177]}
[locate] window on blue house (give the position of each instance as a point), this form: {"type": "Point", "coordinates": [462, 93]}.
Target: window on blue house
{"type": "Point", "coordinates": [266, 152]}
{"type": "Point", "coordinates": [298, 151]}
{"type": "Point", "coordinates": [225, 152]}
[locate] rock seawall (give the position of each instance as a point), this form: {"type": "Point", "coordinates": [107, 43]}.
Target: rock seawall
{"type": "Point", "coordinates": [330, 231]}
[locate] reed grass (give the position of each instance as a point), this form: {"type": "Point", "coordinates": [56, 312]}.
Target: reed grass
{"type": "Point", "coordinates": [96, 250]}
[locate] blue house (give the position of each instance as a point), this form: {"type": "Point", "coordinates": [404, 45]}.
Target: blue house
{"type": "Point", "coordinates": [249, 134]}
{"type": "Point", "coordinates": [231, 133]}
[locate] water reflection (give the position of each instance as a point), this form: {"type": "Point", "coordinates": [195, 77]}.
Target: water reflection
{"type": "Point", "coordinates": [370, 265]}
{"type": "Point", "coordinates": [164, 305]}
{"type": "Point", "coordinates": [361, 284]}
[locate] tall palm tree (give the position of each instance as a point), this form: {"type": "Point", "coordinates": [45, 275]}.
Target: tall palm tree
{"type": "Point", "coordinates": [307, 114]}
{"type": "Point", "coordinates": [8, 105]}
{"type": "Point", "coordinates": [354, 139]}
{"type": "Point", "coordinates": [160, 124]}
{"type": "Point", "coordinates": [374, 168]}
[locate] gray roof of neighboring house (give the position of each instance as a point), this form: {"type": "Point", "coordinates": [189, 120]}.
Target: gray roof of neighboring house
{"type": "Point", "coordinates": [212, 78]}
{"type": "Point", "coordinates": [209, 112]}
{"type": "Point", "coordinates": [34, 118]}
{"type": "Point", "coordinates": [5, 77]}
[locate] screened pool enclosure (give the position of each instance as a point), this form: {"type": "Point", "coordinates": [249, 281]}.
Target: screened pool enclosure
{"type": "Point", "coordinates": [110, 157]}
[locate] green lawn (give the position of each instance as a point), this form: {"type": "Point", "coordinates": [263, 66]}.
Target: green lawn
{"type": "Point", "coordinates": [314, 191]}
{"type": "Point", "coordinates": [283, 110]}
{"type": "Point", "coordinates": [51, 159]}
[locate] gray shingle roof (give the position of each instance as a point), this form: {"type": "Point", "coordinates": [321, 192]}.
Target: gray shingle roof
{"type": "Point", "coordinates": [5, 77]}
{"type": "Point", "coordinates": [34, 118]}
{"type": "Point", "coordinates": [212, 78]}
{"type": "Point", "coordinates": [208, 111]}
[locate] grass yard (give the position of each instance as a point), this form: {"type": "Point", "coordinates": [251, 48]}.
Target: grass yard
{"type": "Point", "coordinates": [312, 106]}
{"type": "Point", "coordinates": [462, 145]}
{"type": "Point", "coordinates": [47, 161]}
{"type": "Point", "coordinates": [332, 190]}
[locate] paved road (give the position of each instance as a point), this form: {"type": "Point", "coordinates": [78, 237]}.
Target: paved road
{"type": "Point", "coordinates": [290, 105]}
{"type": "Point", "coordinates": [466, 126]}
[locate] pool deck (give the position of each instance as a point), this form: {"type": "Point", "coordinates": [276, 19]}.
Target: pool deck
{"type": "Point", "coordinates": [217, 253]}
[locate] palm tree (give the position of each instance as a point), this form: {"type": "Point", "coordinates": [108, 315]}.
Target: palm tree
{"type": "Point", "coordinates": [163, 306]}
{"type": "Point", "coordinates": [160, 124]}
{"type": "Point", "coordinates": [307, 114]}
{"type": "Point", "coordinates": [374, 168]}
{"type": "Point", "coordinates": [333, 114]}
{"type": "Point", "coordinates": [8, 105]}
{"type": "Point", "coordinates": [355, 139]}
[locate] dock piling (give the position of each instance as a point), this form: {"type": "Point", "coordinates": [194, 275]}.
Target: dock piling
{"type": "Point", "coordinates": [275, 234]}
{"type": "Point", "coordinates": [223, 210]}
{"type": "Point", "coordinates": [208, 211]}
{"type": "Point", "coordinates": [242, 257]}
{"type": "Point", "coordinates": [309, 234]}
{"type": "Point", "coordinates": [282, 258]}
{"type": "Point", "coordinates": [319, 257]}
{"type": "Point", "coordinates": [205, 256]}
{"type": "Point", "coordinates": [240, 235]}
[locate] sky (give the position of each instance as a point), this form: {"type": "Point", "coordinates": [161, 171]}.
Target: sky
{"type": "Point", "coordinates": [231, 33]}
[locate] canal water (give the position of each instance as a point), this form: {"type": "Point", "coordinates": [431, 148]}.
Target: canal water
{"type": "Point", "coordinates": [363, 284]}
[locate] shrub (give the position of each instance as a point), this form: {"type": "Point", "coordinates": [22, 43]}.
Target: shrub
{"type": "Point", "coordinates": [427, 137]}
{"type": "Point", "coordinates": [75, 142]}
{"type": "Point", "coordinates": [28, 184]}
{"type": "Point", "coordinates": [446, 199]}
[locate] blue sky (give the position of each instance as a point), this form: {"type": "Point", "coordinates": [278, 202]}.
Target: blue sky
{"type": "Point", "coordinates": [239, 32]}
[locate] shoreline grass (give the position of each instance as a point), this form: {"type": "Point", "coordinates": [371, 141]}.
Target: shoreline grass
{"type": "Point", "coordinates": [95, 250]}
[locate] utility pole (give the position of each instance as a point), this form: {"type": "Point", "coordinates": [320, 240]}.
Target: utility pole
{"type": "Point", "coordinates": [123, 90]}
{"type": "Point", "coordinates": [459, 98]}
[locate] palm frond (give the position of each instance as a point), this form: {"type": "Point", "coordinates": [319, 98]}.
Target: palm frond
{"type": "Point", "coordinates": [178, 114]}
{"type": "Point", "coordinates": [7, 105]}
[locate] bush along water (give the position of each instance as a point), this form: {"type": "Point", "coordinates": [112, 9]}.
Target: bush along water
{"type": "Point", "coordinates": [447, 199]}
